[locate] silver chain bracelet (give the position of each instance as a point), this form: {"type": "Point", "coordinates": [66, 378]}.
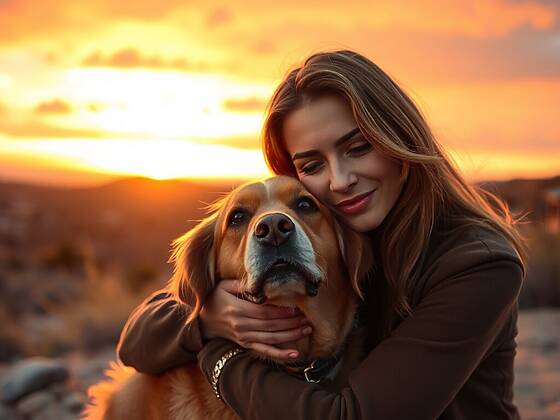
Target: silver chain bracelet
{"type": "Point", "coordinates": [219, 366]}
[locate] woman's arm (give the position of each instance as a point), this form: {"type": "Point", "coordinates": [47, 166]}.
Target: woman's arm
{"type": "Point", "coordinates": [156, 337]}
{"type": "Point", "coordinates": [415, 373]}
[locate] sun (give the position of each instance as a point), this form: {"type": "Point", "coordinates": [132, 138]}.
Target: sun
{"type": "Point", "coordinates": [162, 104]}
{"type": "Point", "coordinates": [157, 159]}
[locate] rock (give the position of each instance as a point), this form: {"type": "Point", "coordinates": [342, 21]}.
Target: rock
{"type": "Point", "coordinates": [549, 346]}
{"type": "Point", "coordinates": [74, 402]}
{"type": "Point", "coordinates": [29, 376]}
{"type": "Point", "coordinates": [53, 411]}
{"type": "Point", "coordinates": [33, 404]}
{"type": "Point", "coordinates": [59, 389]}
{"type": "Point", "coordinates": [44, 405]}
{"type": "Point", "coordinates": [8, 413]}
{"type": "Point", "coordinates": [91, 372]}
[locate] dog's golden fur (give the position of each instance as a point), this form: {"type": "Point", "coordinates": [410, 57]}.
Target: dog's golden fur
{"type": "Point", "coordinates": [214, 250]}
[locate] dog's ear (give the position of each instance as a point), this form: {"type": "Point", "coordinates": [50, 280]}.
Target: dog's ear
{"type": "Point", "coordinates": [357, 254]}
{"type": "Point", "coordinates": [194, 257]}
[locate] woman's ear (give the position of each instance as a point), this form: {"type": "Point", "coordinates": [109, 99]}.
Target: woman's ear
{"type": "Point", "coordinates": [357, 254]}
{"type": "Point", "coordinates": [194, 257]}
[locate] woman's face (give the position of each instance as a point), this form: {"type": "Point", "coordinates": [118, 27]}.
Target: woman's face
{"type": "Point", "coordinates": [339, 166]}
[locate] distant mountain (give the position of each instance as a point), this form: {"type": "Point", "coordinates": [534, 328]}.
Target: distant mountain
{"type": "Point", "coordinates": [133, 221]}
{"type": "Point", "coordinates": [524, 195]}
{"type": "Point", "coordinates": [130, 221]}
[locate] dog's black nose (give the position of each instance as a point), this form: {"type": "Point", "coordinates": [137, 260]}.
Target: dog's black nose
{"type": "Point", "coordinates": [274, 229]}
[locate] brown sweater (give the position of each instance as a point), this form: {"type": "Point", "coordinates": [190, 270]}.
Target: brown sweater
{"type": "Point", "coordinates": [451, 359]}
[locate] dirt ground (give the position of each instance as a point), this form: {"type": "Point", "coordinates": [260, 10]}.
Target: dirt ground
{"type": "Point", "coordinates": [537, 365]}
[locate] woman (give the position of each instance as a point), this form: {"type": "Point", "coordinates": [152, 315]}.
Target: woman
{"type": "Point", "coordinates": [440, 311]}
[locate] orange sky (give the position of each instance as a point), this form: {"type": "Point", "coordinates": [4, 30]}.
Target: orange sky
{"type": "Point", "coordinates": [95, 89]}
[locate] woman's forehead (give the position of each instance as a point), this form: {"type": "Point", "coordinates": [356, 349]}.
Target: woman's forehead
{"type": "Point", "coordinates": [317, 124]}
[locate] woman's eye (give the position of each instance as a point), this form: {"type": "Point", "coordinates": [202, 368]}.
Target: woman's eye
{"type": "Point", "coordinates": [311, 168]}
{"type": "Point", "coordinates": [236, 217]}
{"type": "Point", "coordinates": [364, 147]}
{"type": "Point", "coordinates": [306, 204]}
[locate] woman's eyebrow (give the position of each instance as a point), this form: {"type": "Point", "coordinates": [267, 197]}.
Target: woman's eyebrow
{"type": "Point", "coordinates": [344, 138]}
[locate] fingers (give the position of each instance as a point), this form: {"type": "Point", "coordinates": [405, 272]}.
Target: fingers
{"type": "Point", "coordinates": [272, 352]}
{"type": "Point", "coordinates": [280, 324]}
{"type": "Point", "coordinates": [252, 310]}
{"type": "Point", "coordinates": [277, 337]}
{"type": "Point", "coordinates": [231, 286]}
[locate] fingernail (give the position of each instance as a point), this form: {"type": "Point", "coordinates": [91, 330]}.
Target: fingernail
{"type": "Point", "coordinates": [306, 330]}
{"type": "Point", "coordinates": [293, 355]}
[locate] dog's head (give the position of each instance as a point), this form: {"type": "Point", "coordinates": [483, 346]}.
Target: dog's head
{"type": "Point", "coordinates": [287, 248]}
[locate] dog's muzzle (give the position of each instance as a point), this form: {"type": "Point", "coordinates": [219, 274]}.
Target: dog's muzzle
{"type": "Point", "coordinates": [281, 253]}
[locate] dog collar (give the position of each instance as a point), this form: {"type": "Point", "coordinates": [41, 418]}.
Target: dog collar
{"type": "Point", "coordinates": [313, 372]}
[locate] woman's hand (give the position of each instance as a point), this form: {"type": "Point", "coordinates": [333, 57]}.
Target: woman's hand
{"type": "Point", "coordinates": [255, 327]}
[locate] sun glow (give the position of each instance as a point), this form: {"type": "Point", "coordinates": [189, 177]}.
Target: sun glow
{"type": "Point", "coordinates": [160, 104]}
{"type": "Point", "coordinates": [158, 159]}
{"type": "Point", "coordinates": [166, 89]}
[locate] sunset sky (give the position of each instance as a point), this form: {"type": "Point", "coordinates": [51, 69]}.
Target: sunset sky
{"type": "Point", "coordinates": [91, 90]}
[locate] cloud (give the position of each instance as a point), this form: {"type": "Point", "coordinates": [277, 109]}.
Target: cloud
{"type": "Point", "coordinates": [248, 143]}
{"type": "Point", "coordinates": [97, 107]}
{"type": "Point", "coordinates": [264, 46]}
{"type": "Point", "coordinates": [251, 104]}
{"type": "Point", "coordinates": [70, 19]}
{"type": "Point", "coordinates": [218, 17]}
{"type": "Point", "coordinates": [61, 107]}
{"type": "Point", "coordinates": [452, 40]}
{"type": "Point", "coordinates": [414, 55]}
{"type": "Point", "coordinates": [51, 57]}
{"type": "Point", "coordinates": [22, 20]}
{"type": "Point", "coordinates": [475, 18]}
{"type": "Point", "coordinates": [137, 9]}
{"type": "Point", "coordinates": [132, 58]}
{"type": "Point", "coordinates": [55, 106]}
{"type": "Point", "coordinates": [522, 54]}
{"type": "Point", "coordinates": [31, 128]}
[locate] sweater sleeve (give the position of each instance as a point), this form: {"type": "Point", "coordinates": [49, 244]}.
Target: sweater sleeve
{"type": "Point", "coordinates": [156, 337]}
{"type": "Point", "coordinates": [414, 373]}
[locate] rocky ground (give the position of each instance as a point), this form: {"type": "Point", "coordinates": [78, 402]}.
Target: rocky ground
{"type": "Point", "coordinates": [537, 366]}
{"type": "Point", "coordinates": [42, 389]}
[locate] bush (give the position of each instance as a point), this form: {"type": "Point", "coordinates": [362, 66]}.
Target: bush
{"type": "Point", "coordinates": [140, 278]}
{"type": "Point", "coordinates": [66, 256]}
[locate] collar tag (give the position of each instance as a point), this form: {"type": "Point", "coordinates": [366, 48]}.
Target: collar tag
{"type": "Point", "coordinates": [308, 371]}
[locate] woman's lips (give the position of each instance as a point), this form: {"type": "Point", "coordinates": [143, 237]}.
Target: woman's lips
{"type": "Point", "coordinates": [355, 205]}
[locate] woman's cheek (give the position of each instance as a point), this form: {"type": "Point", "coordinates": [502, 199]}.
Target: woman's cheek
{"type": "Point", "coordinates": [316, 187]}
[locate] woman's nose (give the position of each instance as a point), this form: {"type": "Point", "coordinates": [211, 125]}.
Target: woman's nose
{"type": "Point", "coordinates": [341, 181]}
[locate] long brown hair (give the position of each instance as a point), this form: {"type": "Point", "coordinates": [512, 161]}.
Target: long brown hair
{"type": "Point", "coordinates": [390, 120]}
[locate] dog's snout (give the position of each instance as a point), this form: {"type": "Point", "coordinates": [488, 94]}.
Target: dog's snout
{"type": "Point", "coordinates": [274, 229]}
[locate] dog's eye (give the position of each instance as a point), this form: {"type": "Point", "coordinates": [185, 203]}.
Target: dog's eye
{"type": "Point", "coordinates": [237, 217]}
{"type": "Point", "coordinates": [306, 204]}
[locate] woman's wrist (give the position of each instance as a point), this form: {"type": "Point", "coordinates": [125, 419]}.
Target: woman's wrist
{"type": "Point", "coordinates": [219, 366]}
{"type": "Point", "coordinates": [212, 353]}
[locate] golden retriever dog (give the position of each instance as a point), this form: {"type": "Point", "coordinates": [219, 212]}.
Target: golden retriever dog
{"type": "Point", "coordinates": [289, 250]}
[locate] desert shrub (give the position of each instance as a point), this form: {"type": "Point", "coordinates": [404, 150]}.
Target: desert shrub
{"type": "Point", "coordinates": [542, 284]}
{"type": "Point", "coordinates": [13, 263]}
{"type": "Point", "coordinates": [96, 319]}
{"type": "Point", "coordinates": [66, 256]}
{"type": "Point", "coordinates": [12, 344]}
{"type": "Point", "coordinates": [140, 277]}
